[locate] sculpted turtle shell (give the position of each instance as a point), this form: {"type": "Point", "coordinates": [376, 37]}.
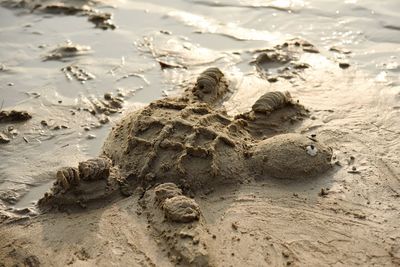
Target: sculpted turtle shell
{"type": "Point", "coordinates": [192, 142]}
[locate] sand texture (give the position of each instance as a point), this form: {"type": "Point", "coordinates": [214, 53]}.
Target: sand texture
{"type": "Point", "coordinates": [266, 150]}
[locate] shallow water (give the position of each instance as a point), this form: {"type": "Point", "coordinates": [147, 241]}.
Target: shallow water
{"type": "Point", "coordinates": [195, 34]}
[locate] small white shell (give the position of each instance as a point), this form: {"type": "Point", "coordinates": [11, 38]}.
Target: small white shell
{"type": "Point", "coordinates": [311, 150]}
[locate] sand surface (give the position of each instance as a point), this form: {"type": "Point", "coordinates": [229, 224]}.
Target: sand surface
{"type": "Point", "coordinates": [346, 217]}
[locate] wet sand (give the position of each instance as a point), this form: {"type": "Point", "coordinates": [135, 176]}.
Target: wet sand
{"type": "Point", "coordinates": [346, 217]}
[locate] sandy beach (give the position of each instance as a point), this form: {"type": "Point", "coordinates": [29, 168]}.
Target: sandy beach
{"type": "Point", "coordinates": [80, 69]}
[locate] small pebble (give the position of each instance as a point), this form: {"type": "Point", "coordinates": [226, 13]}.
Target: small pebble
{"type": "Point", "coordinates": [4, 139]}
{"type": "Point", "coordinates": [10, 84]}
{"type": "Point", "coordinates": [310, 50]}
{"type": "Point", "coordinates": [353, 170]}
{"type": "Point", "coordinates": [323, 192]}
{"type": "Point", "coordinates": [234, 226]}
{"type": "Point", "coordinates": [107, 96]}
{"type": "Point", "coordinates": [104, 120]}
{"type": "Point", "coordinates": [272, 79]}
{"type": "Point", "coordinates": [14, 132]}
{"type": "Point", "coordinates": [344, 65]}
{"type": "Point", "coordinates": [91, 136]}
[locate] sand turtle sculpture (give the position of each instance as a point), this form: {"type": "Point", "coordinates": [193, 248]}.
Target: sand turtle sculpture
{"type": "Point", "coordinates": [185, 145]}
{"type": "Point", "coordinates": [192, 142]}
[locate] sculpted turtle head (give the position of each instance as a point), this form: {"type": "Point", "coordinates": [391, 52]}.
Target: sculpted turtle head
{"type": "Point", "coordinates": [291, 156]}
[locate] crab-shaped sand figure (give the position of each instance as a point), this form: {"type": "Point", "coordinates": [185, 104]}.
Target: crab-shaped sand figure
{"type": "Point", "coordinates": [192, 142]}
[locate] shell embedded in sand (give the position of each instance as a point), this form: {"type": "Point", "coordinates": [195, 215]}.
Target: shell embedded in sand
{"type": "Point", "coordinates": [311, 150]}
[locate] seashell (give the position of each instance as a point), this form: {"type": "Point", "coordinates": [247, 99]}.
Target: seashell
{"type": "Point", "coordinates": [311, 150]}
{"type": "Point", "coordinates": [271, 101]}
{"type": "Point", "coordinates": [94, 169]}
{"type": "Point", "coordinates": [67, 177]}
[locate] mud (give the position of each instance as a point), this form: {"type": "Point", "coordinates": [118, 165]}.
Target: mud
{"type": "Point", "coordinates": [283, 60]}
{"type": "Point", "coordinates": [101, 20]}
{"type": "Point", "coordinates": [184, 232]}
{"type": "Point", "coordinates": [66, 51]}
{"type": "Point", "coordinates": [14, 116]}
{"type": "Point", "coordinates": [103, 107]}
{"type": "Point", "coordinates": [73, 72]}
{"type": "Point", "coordinates": [92, 181]}
{"type": "Point", "coordinates": [181, 209]}
{"type": "Point", "coordinates": [4, 139]}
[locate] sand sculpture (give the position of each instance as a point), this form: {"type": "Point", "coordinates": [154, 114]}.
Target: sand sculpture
{"type": "Point", "coordinates": [178, 147]}
{"type": "Point", "coordinates": [191, 141]}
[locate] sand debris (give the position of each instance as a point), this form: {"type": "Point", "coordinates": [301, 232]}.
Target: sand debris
{"type": "Point", "coordinates": [4, 138]}
{"type": "Point", "coordinates": [67, 50]}
{"type": "Point", "coordinates": [77, 73]}
{"type": "Point", "coordinates": [14, 116]}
